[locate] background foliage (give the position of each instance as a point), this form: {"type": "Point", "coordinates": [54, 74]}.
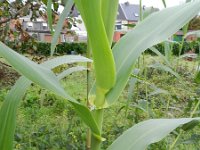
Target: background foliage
{"type": "Point", "coordinates": [40, 48]}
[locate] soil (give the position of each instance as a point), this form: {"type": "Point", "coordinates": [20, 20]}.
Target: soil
{"type": "Point", "coordinates": [8, 76]}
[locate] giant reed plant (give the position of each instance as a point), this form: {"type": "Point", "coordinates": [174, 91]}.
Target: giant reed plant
{"type": "Point", "coordinates": [112, 70]}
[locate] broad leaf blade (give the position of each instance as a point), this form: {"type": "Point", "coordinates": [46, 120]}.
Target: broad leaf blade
{"type": "Point", "coordinates": [8, 113]}
{"type": "Point", "coordinates": [153, 30]}
{"type": "Point", "coordinates": [59, 26]}
{"type": "Point", "coordinates": [148, 11]}
{"type": "Point", "coordinates": [9, 107]}
{"type": "Point", "coordinates": [65, 60]}
{"type": "Point", "coordinates": [109, 14]}
{"type": "Point", "coordinates": [36, 73]}
{"type": "Point", "coordinates": [70, 70]}
{"type": "Point", "coordinates": [145, 133]}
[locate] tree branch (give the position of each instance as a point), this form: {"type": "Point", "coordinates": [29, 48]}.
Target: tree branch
{"type": "Point", "coordinates": [27, 5]}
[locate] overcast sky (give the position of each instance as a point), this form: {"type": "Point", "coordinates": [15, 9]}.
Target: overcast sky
{"type": "Point", "coordinates": [156, 3]}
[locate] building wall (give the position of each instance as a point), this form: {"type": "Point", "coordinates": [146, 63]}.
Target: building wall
{"type": "Point", "coordinates": [48, 38]}
{"type": "Point", "coordinates": [179, 36]}
{"type": "Point", "coordinates": [118, 35]}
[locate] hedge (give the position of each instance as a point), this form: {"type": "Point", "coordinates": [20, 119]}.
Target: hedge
{"type": "Point", "coordinates": [40, 48]}
{"type": "Point", "coordinates": [187, 46]}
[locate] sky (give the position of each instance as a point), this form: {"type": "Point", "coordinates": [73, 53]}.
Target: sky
{"type": "Point", "coordinates": [156, 3]}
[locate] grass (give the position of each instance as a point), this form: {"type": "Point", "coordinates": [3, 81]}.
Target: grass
{"type": "Point", "coordinates": [45, 121]}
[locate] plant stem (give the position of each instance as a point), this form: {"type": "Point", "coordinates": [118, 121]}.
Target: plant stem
{"type": "Point", "coordinates": [146, 87]}
{"type": "Point", "coordinates": [175, 141]}
{"type": "Point", "coordinates": [195, 109]}
{"type": "Point", "coordinates": [95, 142]}
{"type": "Point", "coordinates": [88, 139]}
{"type": "Point", "coordinates": [168, 103]}
{"type": "Point", "coordinates": [191, 115]}
{"type": "Point", "coordinates": [137, 96]}
{"type": "Point", "coordinates": [141, 11]}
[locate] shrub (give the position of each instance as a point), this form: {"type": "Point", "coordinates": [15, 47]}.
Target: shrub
{"type": "Point", "coordinates": [187, 46]}
{"type": "Point", "coordinates": [41, 48]}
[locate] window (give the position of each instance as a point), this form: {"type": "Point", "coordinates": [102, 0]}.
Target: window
{"type": "Point", "coordinates": [29, 24]}
{"type": "Point", "coordinates": [118, 27]}
{"type": "Point", "coordinates": [136, 14]}
{"type": "Point", "coordinates": [44, 26]}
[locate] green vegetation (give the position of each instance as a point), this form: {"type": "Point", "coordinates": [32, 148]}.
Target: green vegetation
{"type": "Point", "coordinates": [113, 68]}
{"type": "Point", "coordinates": [39, 48]}
{"type": "Point", "coordinates": [45, 121]}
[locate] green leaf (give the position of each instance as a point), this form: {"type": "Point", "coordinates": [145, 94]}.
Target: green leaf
{"type": "Point", "coordinates": [49, 15]}
{"type": "Point", "coordinates": [45, 1]}
{"type": "Point", "coordinates": [168, 50]}
{"type": "Point", "coordinates": [8, 113]}
{"type": "Point", "coordinates": [164, 68]}
{"type": "Point", "coordinates": [148, 11]}
{"type": "Point", "coordinates": [109, 7]}
{"type": "Point", "coordinates": [132, 83]}
{"type": "Point", "coordinates": [65, 60]}
{"type": "Point", "coordinates": [145, 133]}
{"type": "Point", "coordinates": [156, 51]}
{"type": "Point", "coordinates": [164, 3]}
{"type": "Point", "coordinates": [11, 102]}
{"type": "Point", "coordinates": [102, 55]}
{"type": "Point", "coordinates": [142, 105]}
{"type": "Point", "coordinates": [36, 73]}
{"type": "Point", "coordinates": [190, 125]}
{"type": "Point", "coordinates": [59, 26]}
{"type": "Point", "coordinates": [152, 30]}
{"type": "Point", "coordinates": [158, 91]}
{"type": "Point", "coordinates": [141, 10]}
{"type": "Point", "coordinates": [197, 77]}
{"type": "Point", "coordinates": [131, 25]}
{"type": "Point", "coordinates": [70, 70]}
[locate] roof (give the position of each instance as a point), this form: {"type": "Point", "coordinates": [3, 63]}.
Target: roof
{"type": "Point", "coordinates": [129, 12]}
{"type": "Point", "coordinates": [74, 12]}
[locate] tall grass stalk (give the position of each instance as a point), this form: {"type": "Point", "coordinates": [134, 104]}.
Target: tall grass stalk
{"type": "Point", "coordinates": [181, 132]}
{"type": "Point", "coordinates": [89, 80]}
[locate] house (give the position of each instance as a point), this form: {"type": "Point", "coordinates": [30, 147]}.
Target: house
{"type": "Point", "coordinates": [179, 35]}
{"type": "Point", "coordinates": [128, 14]}
{"type": "Point", "coordinates": [38, 28]}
